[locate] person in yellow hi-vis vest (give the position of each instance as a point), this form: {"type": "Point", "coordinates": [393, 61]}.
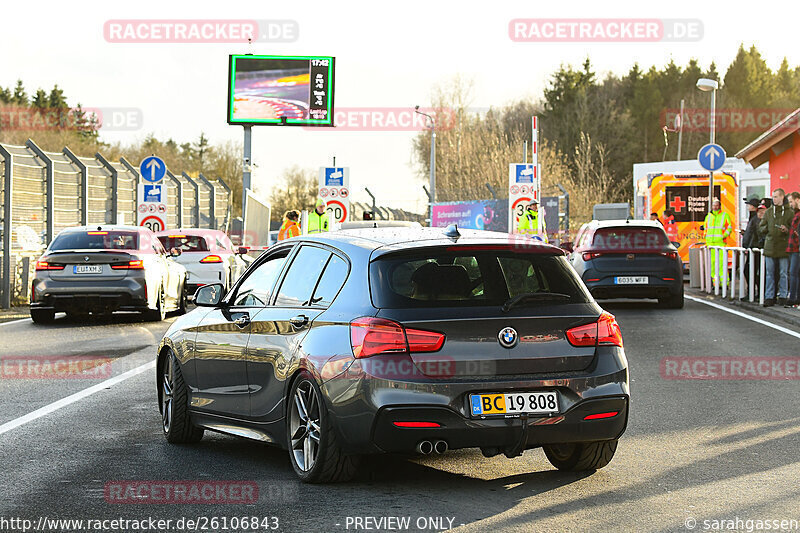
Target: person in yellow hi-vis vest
{"type": "Point", "coordinates": [717, 227]}
{"type": "Point", "coordinates": [318, 218]}
{"type": "Point", "coordinates": [532, 222]}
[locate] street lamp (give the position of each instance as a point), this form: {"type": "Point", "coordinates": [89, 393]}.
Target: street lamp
{"type": "Point", "coordinates": [705, 84]}
{"type": "Point", "coordinates": [433, 157]}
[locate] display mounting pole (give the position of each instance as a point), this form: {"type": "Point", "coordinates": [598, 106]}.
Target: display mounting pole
{"type": "Point", "coordinates": [246, 165]}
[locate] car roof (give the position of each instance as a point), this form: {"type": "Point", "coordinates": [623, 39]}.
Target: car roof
{"type": "Point", "coordinates": [625, 223]}
{"type": "Point", "coordinates": [102, 227]}
{"type": "Point", "coordinates": [390, 239]}
{"type": "Point", "coordinates": [204, 232]}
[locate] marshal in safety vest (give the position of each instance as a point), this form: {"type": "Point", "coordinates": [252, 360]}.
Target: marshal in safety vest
{"type": "Point", "coordinates": [718, 226]}
{"type": "Point", "coordinates": [318, 223]}
{"type": "Point", "coordinates": [529, 224]}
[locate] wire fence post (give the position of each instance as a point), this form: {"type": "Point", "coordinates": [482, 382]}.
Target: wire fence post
{"type": "Point", "coordinates": [196, 210]}
{"type": "Point", "coordinates": [212, 202]}
{"type": "Point", "coordinates": [114, 185]}
{"type": "Point", "coordinates": [84, 184]}
{"type": "Point", "coordinates": [179, 197]}
{"type": "Point", "coordinates": [49, 189]}
{"type": "Point", "coordinates": [5, 289]}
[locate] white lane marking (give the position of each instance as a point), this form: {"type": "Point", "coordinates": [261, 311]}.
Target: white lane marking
{"type": "Point", "coordinates": [55, 406]}
{"type": "Point", "coordinates": [15, 321]}
{"type": "Point", "coordinates": [745, 315]}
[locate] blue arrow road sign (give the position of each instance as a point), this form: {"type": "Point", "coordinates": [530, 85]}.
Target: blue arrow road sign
{"type": "Point", "coordinates": [153, 169]}
{"type": "Point", "coordinates": [525, 173]}
{"type": "Point", "coordinates": [711, 157]}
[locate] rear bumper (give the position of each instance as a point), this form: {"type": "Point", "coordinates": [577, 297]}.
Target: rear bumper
{"type": "Point", "coordinates": [365, 406]}
{"type": "Point", "coordinates": [127, 294]}
{"type": "Point", "coordinates": [500, 433]}
{"type": "Point", "coordinates": [657, 286]}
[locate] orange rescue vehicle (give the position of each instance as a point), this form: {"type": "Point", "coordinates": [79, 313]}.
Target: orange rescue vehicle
{"type": "Point", "coordinates": [686, 196]}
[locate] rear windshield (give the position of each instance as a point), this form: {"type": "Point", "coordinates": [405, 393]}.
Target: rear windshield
{"type": "Point", "coordinates": [96, 240]}
{"type": "Point", "coordinates": [475, 278]}
{"type": "Point", "coordinates": [629, 238]}
{"type": "Point", "coordinates": [185, 243]}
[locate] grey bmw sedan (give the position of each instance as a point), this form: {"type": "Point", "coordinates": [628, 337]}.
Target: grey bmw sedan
{"type": "Point", "coordinates": [400, 340]}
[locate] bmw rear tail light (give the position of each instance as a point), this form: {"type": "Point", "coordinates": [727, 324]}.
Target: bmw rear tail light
{"type": "Point", "coordinates": [211, 259]}
{"type": "Point", "coordinates": [137, 264]}
{"type": "Point", "coordinates": [44, 265]}
{"type": "Point", "coordinates": [372, 336]}
{"type": "Point", "coordinates": [588, 256]}
{"type": "Point", "coordinates": [671, 255]}
{"type": "Point", "coordinates": [604, 332]}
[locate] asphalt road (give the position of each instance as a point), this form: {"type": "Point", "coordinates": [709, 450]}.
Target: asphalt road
{"type": "Point", "coordinates": [695, 450]}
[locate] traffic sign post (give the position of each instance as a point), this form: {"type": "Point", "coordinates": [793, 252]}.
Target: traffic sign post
{"type": "Point", "coordinates": [524, 181]}
{"type": "Point", "coordinates": [523, 186]}
{"type": "Point", "coordinates": [334, 188]}
{"type": "Point", "coordinates": [151, 210]}
{"type": "Point", "coordinates": [711, 157]}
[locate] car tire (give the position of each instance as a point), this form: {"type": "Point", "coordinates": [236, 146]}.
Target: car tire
{"type": "Point", "coordinates": [311, 436]}
{"type": "Point", "coordinates": [182, 300]}
{"type": "Point", "coordinates": [42, 316]}
{"type": "Point", "coordinates": [174, 404]}
{"type": "Point", "coordinates": [674, 301]}
{"type": "Point", "coordinates": [581, 456]}
{"type": "Point", "coordinates": [159, 313]}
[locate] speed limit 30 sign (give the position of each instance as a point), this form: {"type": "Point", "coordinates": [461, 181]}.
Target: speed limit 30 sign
{"type": "Point", "coordinates": [153, 223]}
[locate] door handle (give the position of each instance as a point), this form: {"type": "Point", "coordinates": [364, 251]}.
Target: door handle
{"type": "Point", "coordinates": [242, 321]}
{"type": "Point", "coordinates": [299, 321]}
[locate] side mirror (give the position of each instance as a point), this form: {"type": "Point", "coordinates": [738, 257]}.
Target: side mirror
{"type": "Point", "coordinates": [676, 244]}
{"type": "Point", "coordinates": [175, 252]}
{"type": "Point", "coordinates": [567, 247]}
{"type": "Point", "coordinates": [242, 250]}
{"type": "Point", "coordinates": [209, 295]}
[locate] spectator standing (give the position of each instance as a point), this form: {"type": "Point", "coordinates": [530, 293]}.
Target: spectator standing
{"type": "Point", "coordinates": [793, 249]}
{"type": "Point", "coordinates": [752, 239]}
{"type": "Point", "coordinates": [775, 229]}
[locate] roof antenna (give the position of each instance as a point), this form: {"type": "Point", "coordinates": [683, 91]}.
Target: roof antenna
{"type": "Point", "coordinates": [452, 232]}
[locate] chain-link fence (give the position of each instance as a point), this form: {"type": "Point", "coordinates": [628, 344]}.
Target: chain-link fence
{"type": "Point", "coordinates": [45, 192]}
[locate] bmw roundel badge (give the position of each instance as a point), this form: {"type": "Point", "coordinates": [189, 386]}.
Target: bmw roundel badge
{"type": "Point", "coordinates": [508, 337]}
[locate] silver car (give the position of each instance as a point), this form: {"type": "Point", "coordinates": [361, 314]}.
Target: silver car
{"type": "Point", "coordinates": [102, 269]}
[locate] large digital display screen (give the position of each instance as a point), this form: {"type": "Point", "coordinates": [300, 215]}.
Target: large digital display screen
{"type": "Point", "coordinates": [280, 90]}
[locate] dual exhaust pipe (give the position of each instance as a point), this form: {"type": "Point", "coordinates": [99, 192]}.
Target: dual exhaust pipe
{"type": "Point", "coordinates": [427, 447]}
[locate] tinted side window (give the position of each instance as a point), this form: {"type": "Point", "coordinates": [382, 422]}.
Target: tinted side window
{"type": "Point", "coordinates": [331, 281]}
{"type": "Point", "coordinates": [255, 290]}
{"type": "Point", "coordinates": [302, 277]}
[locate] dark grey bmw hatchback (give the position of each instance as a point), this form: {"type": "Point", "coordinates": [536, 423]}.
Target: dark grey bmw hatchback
{"type": "Point", "coordinates": [400, 340]}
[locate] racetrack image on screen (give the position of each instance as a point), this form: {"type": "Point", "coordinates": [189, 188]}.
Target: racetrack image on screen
{"type": "Point", "coordinates": [280, 90]}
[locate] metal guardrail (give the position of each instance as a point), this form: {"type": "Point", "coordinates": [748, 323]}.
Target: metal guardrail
{"type": "Point", "coordinates": [45, 192]}
{"type": "Point", "coordinates": [736, 258]}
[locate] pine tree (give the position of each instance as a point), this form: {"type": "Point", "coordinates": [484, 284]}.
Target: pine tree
{"type": "Point", "coordinates": [20, 97]}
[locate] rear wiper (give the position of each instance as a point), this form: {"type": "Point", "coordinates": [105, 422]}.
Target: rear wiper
{"type": "Point", "coordinates": [527, 296]}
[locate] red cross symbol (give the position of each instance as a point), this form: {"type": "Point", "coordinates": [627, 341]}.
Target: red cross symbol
{"type": "Point", "coordinates": [677, 204]}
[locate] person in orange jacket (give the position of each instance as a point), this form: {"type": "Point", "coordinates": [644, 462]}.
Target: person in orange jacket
{"type": "Point", "coordinates": [290, 227]}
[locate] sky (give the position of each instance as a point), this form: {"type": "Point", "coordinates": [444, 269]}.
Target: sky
{"type": "Point", "coordinates": [388, 55]}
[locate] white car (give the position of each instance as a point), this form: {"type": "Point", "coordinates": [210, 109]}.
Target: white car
{"type": "Point", "coordinates": [208, 255]}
